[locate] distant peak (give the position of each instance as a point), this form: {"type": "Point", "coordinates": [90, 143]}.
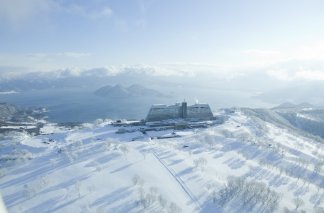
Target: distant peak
{"type": "Point", "coordinates": [135, 86]}
{"type": "Point", "coordinates": [119, 86]}
{"type": "Point", "coordinates": [286, 105]}
{"type": "Point", "coordinates": [135, 90]}
{"type": "Point", "coordinates": [289, 105]}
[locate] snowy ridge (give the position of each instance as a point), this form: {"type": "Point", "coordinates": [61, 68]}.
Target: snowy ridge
{"type": "Point", "coordinates": [246, 164]}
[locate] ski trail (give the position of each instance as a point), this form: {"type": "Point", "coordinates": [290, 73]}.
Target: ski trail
{"type": "Point", "coordinates": [192, 197]}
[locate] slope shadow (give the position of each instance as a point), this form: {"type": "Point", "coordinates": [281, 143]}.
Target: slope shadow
{"type": "Point", "coordinates": [121, 168]}
{"type": "Point", "coordinates": [117, 195]}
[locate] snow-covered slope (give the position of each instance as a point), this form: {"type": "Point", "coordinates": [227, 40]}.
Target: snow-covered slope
{"type": "Point", "coordinates": [307, 118]}
{"type": "Point", "coordinates": [245, 164]}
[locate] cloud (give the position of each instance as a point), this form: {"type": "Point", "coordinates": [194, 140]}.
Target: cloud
{"type": "Point", "coordinates": [105, 11]}
{"type": "Point", "coordinates": [308, 52]}
{"type": "Point", "coordinates": [315, 75]}
{"type": "Point", "coordinates": [17, 12]}
{"type": "Point", "coordinates": [280, 74]}
{"type": "Point", "coordinates": [43, 56]}
{"type": "Point", "coordinates": [121, 25]}
{"type": "Point", "coordinates": [12, 72]}
{"type": "Point", "coordinates": [299, 74]}
{"type": "Point", "coordinates": [304, 62]}
{"type": "Point", "coordinates": [94, 14]}
{"type": "Point", "coordinates": [290, 70]}
{"type": "Point", "coordinates": [259, 57]}
{"type": "Point", "coordinates": [71, 54]}
{"type": "Point", "coordinates": [112, 70]}
{"type": "Point", "coordinates": [47, 61]}
{"type": "Point", "coordinates": [261, 53]}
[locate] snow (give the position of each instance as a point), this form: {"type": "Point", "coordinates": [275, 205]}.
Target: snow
{"type": "Point", "coordinates": [7, 92]}
{"type": "Point", "coordinates": [305, 116]}
{"type": "Point", "coordinates": [18, 127]}
{"type": "Point", "coordinates": [93, 169]}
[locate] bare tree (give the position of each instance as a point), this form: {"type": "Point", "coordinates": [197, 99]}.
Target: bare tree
{"type": "Point", "coordinates": [200, 163]}
{"type": "Point", "coordinates": [318, 168]}
{"type": "Point", "coordinates": [124, 149]}
{"type": "Point", "coordinates": [137, 180]}
{"type": "Point", "coordinates": [77, 187]}
{"type": "Point", "coordinates": [163, 203]}
{"type": "Point", "coordinates": [249, 195]}
{"type": "Point", "coordinates": [2, 172]}
{"type": "Point", "coordinates": [29, 191]}
{"type": "Point", "coordinates": [319, 210]}
{"type": "Point", "coordinates": [298, 203]}
{"type": "Point", "coordinates": [173, 208]}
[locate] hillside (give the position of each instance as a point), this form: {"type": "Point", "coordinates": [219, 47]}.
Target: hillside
{"type": "Point", "coordinates": [17, 119]}
{"type": "Point", "coordinates": [305, 117]}
{"type": "Point", "coordinates": [253, 161]}
{"type": "Point", "coordinates": [7, 111]}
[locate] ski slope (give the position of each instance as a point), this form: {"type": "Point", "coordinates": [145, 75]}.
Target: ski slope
{"type": "Point", "coordinates": [93, 169]}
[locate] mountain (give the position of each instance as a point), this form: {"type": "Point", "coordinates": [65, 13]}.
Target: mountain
{"type": "Point", "coordinates": [7, 111]}
{"type": "Point", "coordinates": [25, 80]}
{"type": "Point", "coordinates": [117, 91]}
{"type": "Point", "coordinates": [304, 116]}
{"type": "Point", "coordinates": [138, 90]}
{"type": "Point", "coordinates": [310, 92]}
{"type": "Point", "coordinates": [135, 90]}
{"type": "Point", "coordinates": [16, 119]}
{"type": "Point", "coordinates": [289, 105]}
{"type": "Point", "coordinates": [252, 161]}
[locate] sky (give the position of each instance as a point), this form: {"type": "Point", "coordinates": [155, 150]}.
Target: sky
{"type": "Point", "coordinates": [284, 38]}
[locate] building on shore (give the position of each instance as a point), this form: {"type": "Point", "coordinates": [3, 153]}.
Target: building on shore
{"type": "Point", "coordinates": [159, 112]}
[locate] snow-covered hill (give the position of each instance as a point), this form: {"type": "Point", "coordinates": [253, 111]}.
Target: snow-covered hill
{"type": "Point", "coordinates": [305, 117]}
{"type": "Point", "coordinates": [254, 161]}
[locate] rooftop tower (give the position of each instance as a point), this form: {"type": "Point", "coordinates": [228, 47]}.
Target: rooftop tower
{"type": "Point", "coordinates": [183, 109]}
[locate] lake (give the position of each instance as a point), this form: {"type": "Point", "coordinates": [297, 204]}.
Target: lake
{"type": "Point", "coordinates": [81, 105]}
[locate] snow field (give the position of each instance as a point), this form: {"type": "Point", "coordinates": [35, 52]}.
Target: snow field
{"type": "Point", "coordinates": [93, 169]}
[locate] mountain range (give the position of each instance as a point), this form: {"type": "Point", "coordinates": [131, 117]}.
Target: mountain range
{"type": "Point", "coordinates": [135, 90]}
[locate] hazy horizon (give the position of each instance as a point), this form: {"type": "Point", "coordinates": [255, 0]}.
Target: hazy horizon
{"type": "Point", "coordinates": [238, 53]}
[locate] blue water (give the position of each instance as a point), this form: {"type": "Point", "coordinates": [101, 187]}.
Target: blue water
{"type": "Point", "coordinates": [82, 105]}
{"type": "Point", "coordinates": [75, 105]}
